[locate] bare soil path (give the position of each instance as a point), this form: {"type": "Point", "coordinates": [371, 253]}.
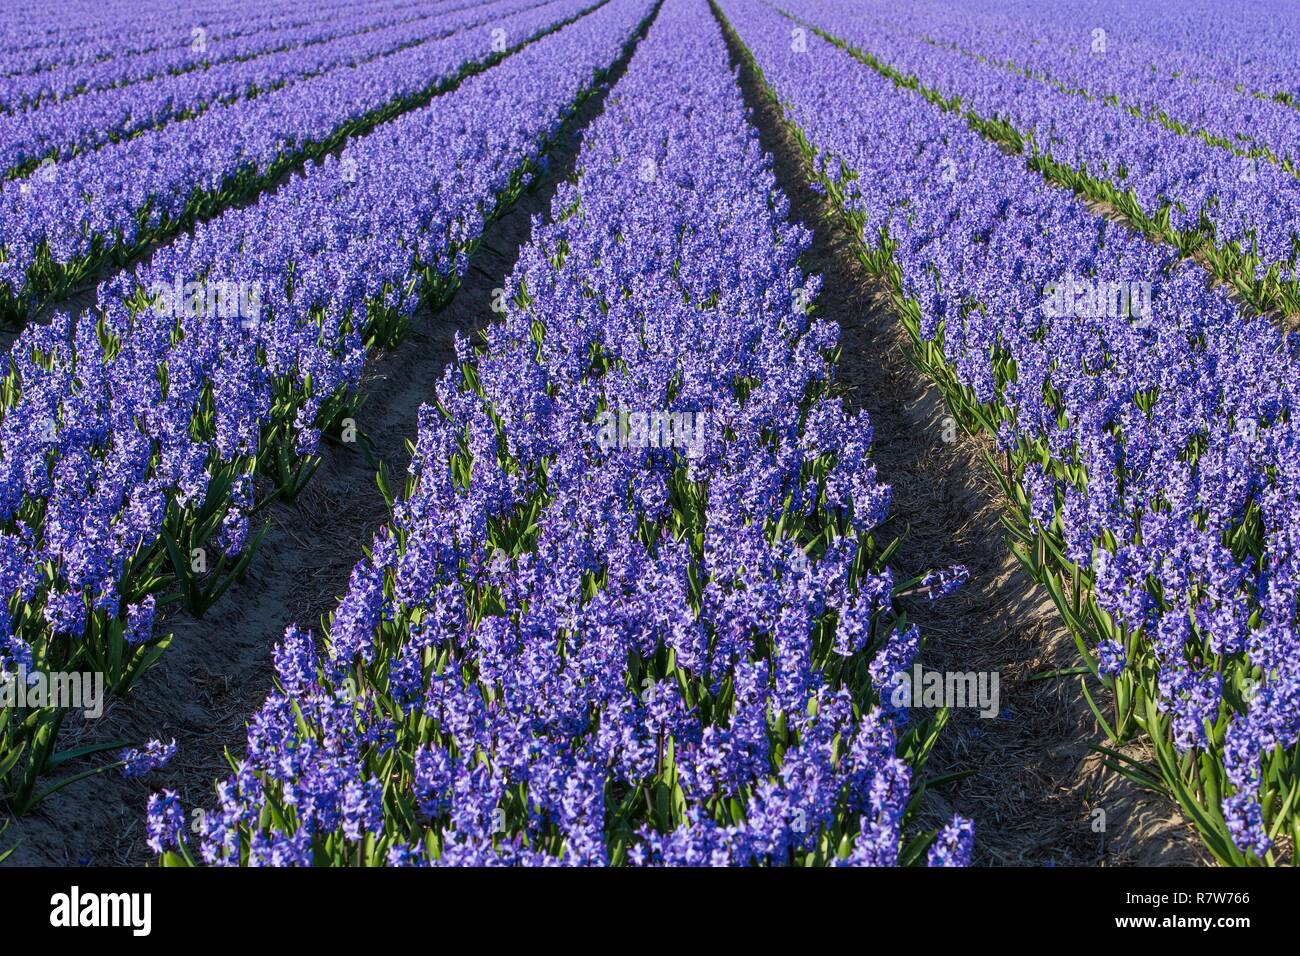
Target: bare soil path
{"type": "Point", "coordinates": [218, 669]}
{"type": "Point", "coordinates": [1034, 787]}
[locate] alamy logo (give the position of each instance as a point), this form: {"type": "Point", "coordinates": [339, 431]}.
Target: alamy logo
{"type": "Point", "coordinates": [625, 429]}
{"type": "Point", "coordinates": [951, 689]}
{"type": "Point", "coordinates": [75, 909]}
{"type": "Point", "coordinates": [1097, 299]}
{"type": "Point", "coordinates": [64, 690]}
{"type": "Point", "coordinates": [220, 298]}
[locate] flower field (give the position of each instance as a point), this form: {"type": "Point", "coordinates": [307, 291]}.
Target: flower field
{"type": "Point", "coordinates": [843, 433]}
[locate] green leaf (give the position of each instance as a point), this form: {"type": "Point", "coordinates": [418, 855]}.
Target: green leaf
{"type": "Point", "coordinates": [64, 756]}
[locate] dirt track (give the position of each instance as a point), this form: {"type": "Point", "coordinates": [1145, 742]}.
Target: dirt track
{"type": "Point", "coordinates": [218, 670]}
{"type": "Point", "coordinates": [1033, 785]}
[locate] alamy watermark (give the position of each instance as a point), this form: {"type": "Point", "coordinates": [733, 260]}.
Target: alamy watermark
{"type": "Point", "coordinates": [624, 429]}
{"type": "Point", "coordinates": [1097, 299]}
{"type": "Point", "coordinates": [65, 690]}
{"type": "Point", "coordinates": [73, 909]}
{"type": "Point", "coordinates": [952, 689]}
{"type": "Point", "coordinates": [215, 298]}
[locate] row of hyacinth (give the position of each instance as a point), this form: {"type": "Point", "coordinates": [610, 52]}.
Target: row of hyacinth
{"type": "Point", "coordinates": [1098, 59]}
{"type": "Point", "coordinates": [1154, 454]}
{"type": "Point", "coordinates": [112, 57]}
{"type": "Point", "coordinates": [1201, 39]}
{"type": "Point", "coordinates": [1242, 212]}
{"type": "Point", "coordinates": [570, 649]}
{"type": "Point", "coordinates": [37, 39]}
{"type": "Point", "coordinates": [59, 224]}
{"type": "Point", "coordinates": [135, 430]}
{"type": "Point", "coordinates": [57, 131]}
{"type": "Point", "coordinates": [80, 31]}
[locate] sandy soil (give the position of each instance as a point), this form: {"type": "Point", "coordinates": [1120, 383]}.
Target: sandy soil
{"type": "Point", "coordinates": [218, 669]}
{"type": "Point", "coordinates": [1034, 784]}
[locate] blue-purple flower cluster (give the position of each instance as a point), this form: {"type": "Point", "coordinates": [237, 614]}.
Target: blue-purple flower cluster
{"type": "Point", "coordinates": [63, 221]}
{"type": "Point", "coordinates": [563, 652]}
{"type": "Point", "coordinates": [47, 38]}
{"type": "Point", "coordinates": [137, 762]}
{"type": "Point", "coordinates": [1101, 51]}
{"type": "Point", "coordinates": [133, 42]}
{"type": "Point", "coordinates": [1252, 48]}
{"type": "Point", "coordinates": [1192, 191]}
{"type": "Point", "coordinates": [130, 441]}
{"type": "Point", "coordinates": [57, 131]}
{"type": "Point", "coordinates": [1154, 458]}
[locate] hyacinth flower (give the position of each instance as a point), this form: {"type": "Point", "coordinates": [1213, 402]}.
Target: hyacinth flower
{"type": "Point", "coordinates": [126, 49]}
{"type": "Point", "coordinates": [585, 640]}
{"type": "Point", "coordinates": [137, 762]}
{"type": "Point", "coordinates": [1187, 86]}
{"type": "Point", "coordinates": [127, 464]}
{"type": "Point", "coordinates": [64, 221]}
{"type": "Point", "coordinates": [57, 129]}
{"type": "Point", "coordinates": [1148, 453]}
{"type": "Point", "coordinates": [1237, 214]}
